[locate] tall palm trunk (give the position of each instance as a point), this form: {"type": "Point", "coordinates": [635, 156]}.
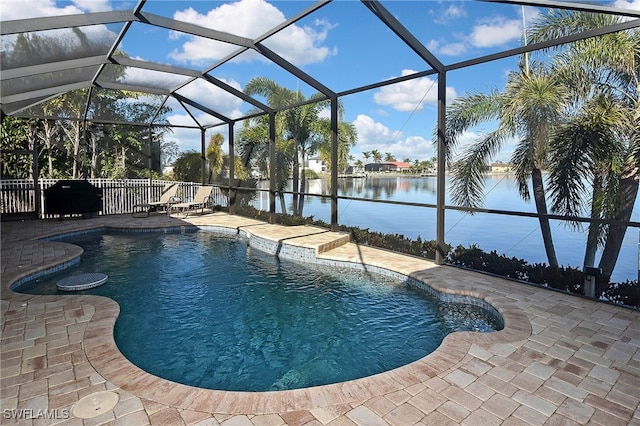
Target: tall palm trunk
{"type": "Point", "coordinates": [303, 185]}
{"type": "Point", "coordinates": [76, 151]}
{"type": "Point", "coordinates": [32, 141]}
{"type": "Point", "coordinates": [296, 179]}
{"type": "Point", "coordinates": [627, 193]}
{"type": "Point", "coordinates": [49, 132]}
{"type": "Point", "coordinates": [541, 207]}
{"type": "Point", "coordinates": [94, 155]}
{"type": "Point", "coordinates": [594, 227]}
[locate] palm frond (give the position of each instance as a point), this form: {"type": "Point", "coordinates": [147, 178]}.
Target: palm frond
{"type": "Point", "coordinates": [467, 185]}
{"type": "Point", "coordinates": [522, 160]}
{"type": "Point", "coordinates": [570, 168]}
{"type": "Point", "coordinates": [466, 112]}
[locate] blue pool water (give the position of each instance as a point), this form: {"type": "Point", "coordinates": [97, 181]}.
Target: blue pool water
{"type": "Point", "coordinates": [209, 311]}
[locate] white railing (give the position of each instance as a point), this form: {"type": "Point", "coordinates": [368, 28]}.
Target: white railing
{"type": "Point", "coordinates": [18, 196]}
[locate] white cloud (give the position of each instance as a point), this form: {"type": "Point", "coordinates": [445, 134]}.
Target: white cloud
{"type": "Point", "coordinates": [308, 47]}
{"type": "Point", "coordinates": [186, 139]}
{"type": "Point", "coordinates": [93, 5]}
{"type": "Point", "coordinates": [251, 18]}
{"type": "Point", "coordinates": [451, 13]}
{"type": "Point", "coordinates": [413, 147]}
{"type": "Point", "coordinates": [487, 32]}
{"type": "Point", "coordinates": [495, 31]}
{"type": "Point", "coordinates": [627, 4]}
{"type": "Point", "coordinates": [375, 135]}
{"type": "Point", "coordinates": [15, 9]}
{"type": "Point", "coordinates": [372, 134]}
{"type": "Point", "coordinates": [443, 48]}
{"type": "Point", "coordinates": [143, 77]}
{"type": "Point", "coordinates": [411, 95]}
{"type": "Point", "coordinates": [213, 97]}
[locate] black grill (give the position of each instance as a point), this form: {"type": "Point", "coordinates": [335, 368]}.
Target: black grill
{"type": "Point", "coordinates": [72, 197]}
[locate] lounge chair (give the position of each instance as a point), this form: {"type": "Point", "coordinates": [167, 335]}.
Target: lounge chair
{"type": "Point", "coordinates": [201, 200]}
{"type": "Point", "coordinates": [167, 198]}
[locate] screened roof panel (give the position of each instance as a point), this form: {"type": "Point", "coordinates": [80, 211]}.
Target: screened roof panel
{"type": "Point", "coordinates": [66, 105]}
{"type": "Point", "coordinates": [465, 31]}
{"type": "Point", "coordinates": [125, 106]}
{"type": "Point", "coordinates": [173, 47]}
{"type": "Point", "coordinates": [25, 108]}
{"type": "Point", "coordinates": [141, 77]}
{"type": "Point", "coordinates": [341, 39]}
{"type": "Point", "coordinates": [462, 30]}
{"type": "Point", "coordinates": [201, 117]}
{"type": "Point", "coordinates": [177, 115]}
{"type": "Point", "coordinates": [42, 47]}
{"type": "Point", "coordinates": [214, 98]}
{"type": "Point", "coordinates": [250, 65]}
{"type": "Point", "coordinates": [36, 82]}
{"type": "Point", "coordinates": [246, 19]}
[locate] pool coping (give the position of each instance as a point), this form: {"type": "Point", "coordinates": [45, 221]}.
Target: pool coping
{"type": "Point", "coordinates": [448, 371]}
{"type": "Point", "coordinates": [109, 362]}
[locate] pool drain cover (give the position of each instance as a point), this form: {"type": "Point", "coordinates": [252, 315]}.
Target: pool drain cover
{"type": "Point", "coordinates": [82, 282]}
{"type": "Point", "coordinates": [95, 404]}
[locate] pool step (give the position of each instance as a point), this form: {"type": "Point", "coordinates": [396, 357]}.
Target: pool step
{"type": "Point", "coordinates": [294, 241]}
{"type": "Point", "coordinates": [339, 239]}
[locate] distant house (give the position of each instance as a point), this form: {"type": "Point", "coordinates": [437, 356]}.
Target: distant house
{"type": "Point", "coordinates": [316, 164]}
{"type": "Point", "coordinates": [391, 166]}
{"type": "Point", "coordinates": [500, 168]}
{"type": "Point", "coordinates": [401, 166]}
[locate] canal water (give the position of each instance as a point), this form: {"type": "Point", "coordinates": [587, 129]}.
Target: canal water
{"type": "Point", "coordinates": [510, 235]}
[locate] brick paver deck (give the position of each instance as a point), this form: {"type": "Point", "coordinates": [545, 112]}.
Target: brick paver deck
{"type": "Point", "coordinates": [561, 359]}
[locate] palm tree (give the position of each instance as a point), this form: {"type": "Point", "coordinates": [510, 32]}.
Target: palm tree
{"type": "Point", "coordinates": [214, 156]}
{"type": "Point", "coordinates": [376, 156]}
{"type": "Point", "coordinates": [347, 137]}
{"type": "Point", "coordinates": [303, 128]}
{"type": "Point", "coordinates": [600, 143]}
{"type": "Point", "coordinates": [252, 145]}
{"type": "Point", "coordinates": [528, 109]}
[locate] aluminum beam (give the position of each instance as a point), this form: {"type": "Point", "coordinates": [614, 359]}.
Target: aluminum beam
{"type": "Point", "coordinates": [153, 66]}
{"type": "Point", "coordinates": [201, 107]}
{"type": "Point", "coordinates": [65, 21]}
{"type": "Point", "coordinates": [197, 30]}
{"type": "Point", "coordinates": [52, 67]}
{"type": "Point", "coordinates": [50, 91]}
{"type": "Point", "coordinates": [230, 89]}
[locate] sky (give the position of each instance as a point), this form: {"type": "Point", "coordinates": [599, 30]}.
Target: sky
{"type": "Point", "coordinates": [342, 45]}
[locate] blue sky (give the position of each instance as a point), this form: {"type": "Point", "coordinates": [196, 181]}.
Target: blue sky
{"type": "Point", "coordinates": [342, 45]}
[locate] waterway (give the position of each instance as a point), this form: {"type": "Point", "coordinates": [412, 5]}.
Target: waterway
{"type": "Point", "coordinates": [510, 235]}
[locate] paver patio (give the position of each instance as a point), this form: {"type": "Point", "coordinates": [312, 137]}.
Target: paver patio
{"type": "Point", "coordinates": [561, 359]}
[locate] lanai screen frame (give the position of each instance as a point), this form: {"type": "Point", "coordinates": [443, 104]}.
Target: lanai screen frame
{"type": "Point", "coordinates": [127, 17]}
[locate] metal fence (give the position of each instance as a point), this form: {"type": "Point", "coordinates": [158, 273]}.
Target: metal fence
{"type": "Point", "coordinates": [119, 196]}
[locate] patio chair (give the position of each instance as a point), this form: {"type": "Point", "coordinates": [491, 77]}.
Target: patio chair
{"type": "Point", "coordinates": [167, 198]}
{"type": "Point", "coordinates": [201, 200]}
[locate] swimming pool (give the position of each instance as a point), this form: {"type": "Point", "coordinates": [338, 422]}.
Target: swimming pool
{"type": "Point", "coordinates": [209, 311]}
